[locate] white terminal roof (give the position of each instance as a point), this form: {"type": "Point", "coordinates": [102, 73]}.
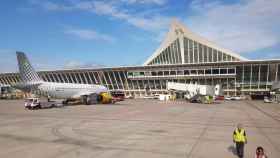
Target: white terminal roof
{"type": "Point", "coordinates": [178, 30]}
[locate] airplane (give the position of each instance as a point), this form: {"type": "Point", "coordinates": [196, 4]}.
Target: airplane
{"type": "Point", "coordinates": [31, 82]}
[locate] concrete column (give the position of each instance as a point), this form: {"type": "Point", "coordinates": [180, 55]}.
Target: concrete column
{"type": "Point", "coordinates": [198, 51]}
{"type": "Point", "coordinates": [49, 77]}
{"type": "Point", "coordinates": [70, 77]}
{"type": "Point", "coordinates": [172, 54]}
{"type": "Point", "coordinates": [242, 87]}
{"type": "Point", "coordinates": [114, 80]}
{"type": "Point", "coordinates": [18, 78]}
{"type": "Point", "coordinates": [251, 74]}
{"type": "Point", "coordinates": [56, 78]}
{"type": "Point", "coordinates": [112, 83]}
{"type": "Point", "coordinates": [178, 50]}
{"type": "Point", "coordinates": [99, 76]}
{"type": "Point", "coordinates": [155, 86]}
{"type": "Point", "coordinates": [202, 46]}
{"type": "Point", "coordinates": [227, 88]}
{"type": "Point", "coordinates": [2, 80]}
{"type": "Point", "coordinates": [125, 82]}
{"type": "Point", "coordinates": [12, 79]}
{"type": "Point", "coordinates": [137, 82]}
{"type": "Point", "coordinates": [217, 55]}
{"type": "Point", "coordinates": [74, 76]}
{"type": "Point", "coordinates": [235, 86]}
{"type": "Point", "coordinates": [104, 76]}
{"type": "Point", "coordinates": [9, 80]}
{"type": "Point", "coordinates": [207, 53]}
{"type": "Point", "coordinates": [80, 76]}
{"type": "Point", "coordinates": [90, 78]}
{"type": "Point", "coordinates": [168, 55]}
{"type": "Point", "coordinates": [163, 57]}
{"type": "Point", "coordinates": [259, 77]}
{"type": "Point", "coordinates": [95, 75]}
{"type": "Point", "coordinates": [188, 50]}
{"type": "Point", "coordinates": [175, 52]}
{"type": "Point", "coordinates": [61, 77]}
{"type": "Point", "coordinates": [276, 73]}
{"type": "Point", "coordinates": [84, 75]}
{"type": "Point", "coordinates": [267, 76]}
{"type": "Point", "coordinates": [65, 77]}
{"type": "Point", "coordinates": [193, 61]}
{"type": "Point", "coordinates": [122, 81]}
{"type": "Point", "coordinates": [182, 49]}
{"type": "Point", "coordinates": [15, 78]}
{"type": "Point", "coordinates": [212, 58]}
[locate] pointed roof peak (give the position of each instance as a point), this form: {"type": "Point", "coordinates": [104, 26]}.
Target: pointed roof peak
{"type": "Point", "coordinates": [179, 30]}
{"type": "Point", "coordinates": [178, 27]}
{"type": "Point", "coordinates": [174, 21]}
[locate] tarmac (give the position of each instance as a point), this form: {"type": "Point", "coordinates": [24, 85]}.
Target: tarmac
{"type": "Point", "coordinates": [138, 128]}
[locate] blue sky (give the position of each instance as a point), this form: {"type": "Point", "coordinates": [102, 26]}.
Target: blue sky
{"type": "Point", "coordinates": [58, 34]}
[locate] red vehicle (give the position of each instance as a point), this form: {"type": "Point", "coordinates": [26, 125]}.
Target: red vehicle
{"type": "Point", "coordinates": [118, 95]}
{"type": "Point", "coordinates": [219, 97]}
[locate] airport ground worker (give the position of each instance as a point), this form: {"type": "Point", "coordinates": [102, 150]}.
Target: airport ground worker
{"type": "Point", "coordinates": [239, 138]}
{"type": "Point", "coordinates": [260, 153]}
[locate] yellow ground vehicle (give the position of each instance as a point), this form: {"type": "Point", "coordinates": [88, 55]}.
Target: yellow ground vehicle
{"type": "Point", "coordinates": [106, 98]}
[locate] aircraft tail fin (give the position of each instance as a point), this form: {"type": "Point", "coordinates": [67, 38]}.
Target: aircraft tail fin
{"type": "Point", "coordinates": [26, 71]}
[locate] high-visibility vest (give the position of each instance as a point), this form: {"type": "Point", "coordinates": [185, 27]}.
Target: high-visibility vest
{"type": "Point", "coordinates": [239, 136]}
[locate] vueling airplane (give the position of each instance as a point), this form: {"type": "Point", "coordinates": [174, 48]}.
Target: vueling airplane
{"type": "Point", "coordinates": [31, 82]}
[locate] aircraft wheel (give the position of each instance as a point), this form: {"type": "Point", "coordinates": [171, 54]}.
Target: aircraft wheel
{"type": "Point", "coordinates": [87, 100]}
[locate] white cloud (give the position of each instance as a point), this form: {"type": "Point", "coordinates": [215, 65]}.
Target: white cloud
{"type": "Point", "coordinates": [77, 64]}
{"type": "Point", "coordinates": [53, 6]}
{"type": "Point", "coordinates": [114, 9]}
{"type": "Point", "coordinates": [243, 27]}
{"type": "Point", "coordinates": [151, 23]}
{"type": "Point", "coordinates": [49, 5]}
{"type": "Point", "coordinates": [87, 34]}
{"type": "Point", "coordinates": [72, 64]}
{"type": "Point", "coordinates": [158, 2]}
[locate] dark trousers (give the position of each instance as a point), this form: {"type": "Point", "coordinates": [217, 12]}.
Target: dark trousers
{"type": "Point", "coordinates": [240, 149]}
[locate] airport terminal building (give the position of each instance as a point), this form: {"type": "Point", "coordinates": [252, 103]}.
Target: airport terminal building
{"type": "Point", "coordinates": [182, 57]}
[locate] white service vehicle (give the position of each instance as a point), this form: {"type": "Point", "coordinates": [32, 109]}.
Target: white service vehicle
{"type": "Point", "coordinates": [228, 98]}
{"type": "Point", "coordinates": [164, 97]}
{"type": "Point", "coordinates": [267, 100]}
{"type": "Point", "coordinates": [195, 89]}
{"type": "Point", "coordinates": [35, 103]}
{"type": "Point", "coordinates": [197, 93]}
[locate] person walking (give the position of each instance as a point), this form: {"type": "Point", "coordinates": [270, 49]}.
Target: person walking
{"type": "Point", "coordinates": [240, 139]}
{"type": "Point", "coordinates": [260, 153]}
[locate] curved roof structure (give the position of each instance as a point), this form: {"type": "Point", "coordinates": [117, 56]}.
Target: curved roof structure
{"type": "Point", "coordinates": [181, 46]}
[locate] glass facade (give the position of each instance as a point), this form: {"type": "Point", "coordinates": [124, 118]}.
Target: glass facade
{"type": "Point", "coordinates": [194, 52]}
{"type": "Point", "coordinates": [235, 78]}
{"type": "Point", "coordinates": [170, 55]}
